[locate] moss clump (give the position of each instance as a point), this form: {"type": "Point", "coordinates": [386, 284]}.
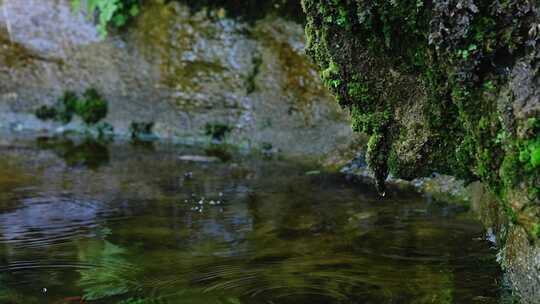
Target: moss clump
{"type": "Point", "coordinates": [67, 107]}
{"type": "Point", "coordinates": [110, 12]}
{"type": "Point", "coordinates": [522, 162]}
{"type": "Point", "coordinates": [536, 230]}
{"type": "Point", "coordinates": [46, 113]}
{"type": "Point", "coordinates": [141, 131]}
{"type": "Point", "coordinates": [359, 90]}
{"type": "Point", "coordinates": [105, 131]}
{"type": "Point", "coordinates": [62, 111]}
{"type": "Point", "coordinates": [529, 153]}
{"type": "Point", "coordinates": [217, 131]}
{"type": "Point", "coordinates": [429, 82]}
{"type": "Point", "coordinates": [250, 81]}
{"type": "Point", "coordinates": [92, 108]}
{"type": "Point", "coordinates": [378, 160]}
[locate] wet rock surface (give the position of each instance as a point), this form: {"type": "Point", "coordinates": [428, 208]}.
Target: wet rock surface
{"type": "Point", "coordinates": [179, 68]}
{"type": "Point", "coordinates": [518, 255]}
{"type": "Point", "coordinates": [523, 260]}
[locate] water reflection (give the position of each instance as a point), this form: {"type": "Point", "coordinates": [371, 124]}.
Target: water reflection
{"type": "Point", "coordinates": [137, 229]}
{"type": "Point", "coordinates": [88, 152]}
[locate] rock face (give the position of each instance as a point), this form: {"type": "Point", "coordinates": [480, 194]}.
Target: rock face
{"type": "Point", "coordinates": [178, 68]}
{"type": "Point", "coordinates": [447, 86]}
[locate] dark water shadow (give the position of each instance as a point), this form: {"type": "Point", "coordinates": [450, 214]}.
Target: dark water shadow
{"type": "Point", "coordinates": [88, 152]}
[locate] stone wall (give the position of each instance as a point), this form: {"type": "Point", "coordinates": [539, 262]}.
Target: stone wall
{"type": "Point", "coordinates": [178, 68]}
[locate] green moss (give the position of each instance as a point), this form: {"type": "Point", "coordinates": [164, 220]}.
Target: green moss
{"type": "Point", "coordinates": [377, 157]}
{"type": "Point", "coordinates": [141, 131]}
{"type": "Point", "coordinates": [509, 170]}
{"type": "Point", "coordinates": [533, 147]}
{"type": "Point", "coordinates": [330, 75]}
{"type": "Point", "coordinates": [217, 131]}
{"type": "Point", "coordinates": [536, 230]}
{"type": "Point", "coordinates": [393, 164]}
{"type": "Point", "coordinates": [360, 91]}
{"type": "Point", "coordinates": [92, 108]}
{"type": "Point", "coordinates": [369, 123]}
{"type": "Point", "coordinates": [110, 12]}
{"type": "Point", "coordinates": [46, 113]}
{"type": "Point", "coordinates": [66, 107]}
{"type": "Point", "coordinates": [62, 111]}
{"type": "Point", "coordinates": [105, 131]}
{"type": "Point", "coordinates": [250, 81]}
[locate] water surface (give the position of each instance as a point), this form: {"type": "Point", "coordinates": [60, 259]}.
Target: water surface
{"type": "Point", "coordinates": [83, 222]}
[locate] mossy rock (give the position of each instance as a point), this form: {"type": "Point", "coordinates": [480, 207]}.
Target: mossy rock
{"type": "Point", "coordinates": [437, 85]}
